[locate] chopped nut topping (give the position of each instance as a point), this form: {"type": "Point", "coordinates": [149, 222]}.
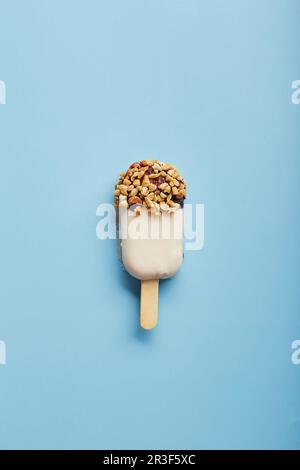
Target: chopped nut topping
{"type": "Point", "coordinates": [154, 184]}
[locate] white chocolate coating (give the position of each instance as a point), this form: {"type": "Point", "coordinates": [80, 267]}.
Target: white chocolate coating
{"type": "Point", "coordinates": [152, 245]}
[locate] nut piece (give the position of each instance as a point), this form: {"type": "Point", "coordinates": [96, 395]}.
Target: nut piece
{"type": "Point", "coordinates": [123, 189]}
{"type": "Point", "coordinates": [180, 194]}
{"type": "Point", "coordinates": [164, 206]}
{"type": "Point", "coordinates": [156, 167]}
{"type": "Point", "coordinates": [149, 202]}
{"type": "Point", "coordinates": [152, 187]}
{"type": "Point", "coordinates": [165, 166]}
{"type": "Point", "coordinates": [134, 200]}
{"type": "Point", "coordinates": [133, 192]}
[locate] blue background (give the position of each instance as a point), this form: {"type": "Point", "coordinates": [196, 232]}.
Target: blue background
{"type": "Point", "coordinates": [92, 86]}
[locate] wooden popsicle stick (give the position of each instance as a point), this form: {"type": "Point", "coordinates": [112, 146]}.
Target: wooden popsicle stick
{"type": "Point", "coordinates": [149, 304]}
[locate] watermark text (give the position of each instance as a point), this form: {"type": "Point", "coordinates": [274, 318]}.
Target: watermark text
{"type": "Point", "coordinates": [2, 353]}
{"type": "Point", "coordinates": [295, 356]}
{"type": "Point", "coordinates": [296, 93]}
{"type": "Point", "coordinates": [2, 92]}
{"type": "Point", "coordinates": [137, 223]}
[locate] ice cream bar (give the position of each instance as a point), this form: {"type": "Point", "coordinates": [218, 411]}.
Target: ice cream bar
{"type": "Point", "coordinates": [150, 197]}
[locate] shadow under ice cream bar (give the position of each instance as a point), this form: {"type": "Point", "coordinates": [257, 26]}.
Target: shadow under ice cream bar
{"type": "Point", "coordinates": [150, 197]}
